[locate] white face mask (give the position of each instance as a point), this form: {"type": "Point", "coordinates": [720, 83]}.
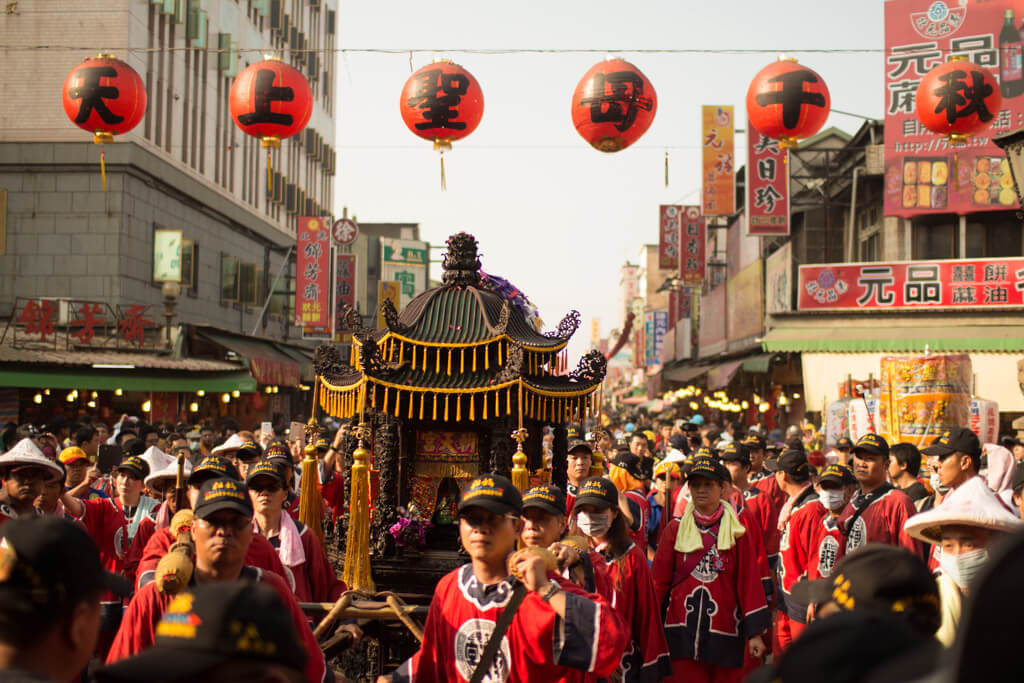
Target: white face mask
{"type": "Point", "coordinates": [593, 525]}
{"type": "Point", "coordinates": [964, 567]}
{"type": "Point", "coordinates": [936, 486]}
{"type": "Point", "coordinates": [832, 499]}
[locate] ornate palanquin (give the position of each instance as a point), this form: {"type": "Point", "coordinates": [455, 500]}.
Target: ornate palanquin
{"type": "Point", "coordinates": [444, 384]}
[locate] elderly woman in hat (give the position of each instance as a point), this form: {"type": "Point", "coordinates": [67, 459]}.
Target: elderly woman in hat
{"type": "Point", "coordinates": [970, 521]}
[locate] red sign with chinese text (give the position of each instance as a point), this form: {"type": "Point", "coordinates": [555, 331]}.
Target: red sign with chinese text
{"type": "Point", "coordinates": [313, 265]}
{"type": "Point", "coordinates": [668, 236]}
{"type": "Point", "coordinates": [983, 283]}
{"type": "Point", "coordinates": [923, 174]}
{"type": "Point", "coordinates": [767, 185]}
{"type": "Point", "coordinates": [718, 181]}
{"type": "Point", "coordinates": [344, 290]}
{"type": "Point", "coordinates": [692, 245]}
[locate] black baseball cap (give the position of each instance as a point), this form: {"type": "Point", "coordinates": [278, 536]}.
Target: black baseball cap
{"type": "Point", "coordinates": [960, 440]}
{"type": "Point", "coordinates": [322, 444]}
{"type": "Point", "coordinates": [546, 497]}
{"type": "Point", "coordinates": [880, 578]}
{"type": "Point", "coordinates": [708, 468]}
{"type": "Point", "coordinates": [838, 474]}
{"type": "Point", "coordinates": [222, 494]}
{"type": "Point", "coordinates": [265, 468]}
{"type": "Point", "coordinates": [580, 444]}
{"type": "Point", "coordinates": [845, 442]}
{"type": "Point", "coordinates": [212, 624]}
{"type": "Point", "coordinates": [736, 452]}
{"type": "Point", "coordinates": [597, 491]}
{"type": "Point", "coordinates": [628, 462]}
{"type": "Point", "coordinates": [135, 466]}
{"type": "Point", "coordinates": [691, 427]}
{"type": "Point", "coordinates": [49, 563]}
{"type": "Point", "coordinates": [872, 444]}
{"type": "Point", "coordinates": [753, 441]}
{"type": "Point", "coordinates": [249, 451]}
{"type": "Point", "coordinates": [791, 461]}
{"type": "Point", "coordinates": [213, 467]}
{"type": "Point", "coordinates": [706, 451]}
{"type": "Point", "coordinates": [492, 492]}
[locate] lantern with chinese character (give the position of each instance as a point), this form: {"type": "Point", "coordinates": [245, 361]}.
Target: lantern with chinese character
{"type": "Point", "coordinates": [958, 99]}
{"type": "Point", "coordinates": [270, 100]}
{"type": "Point", "coordinates": [442, 102]}
{"type": "Point", "coordinates": [106, 97]}
{"type": "Point", "coordinates": [787, 101]}
{"type": "Point", "coordinates": [614, 104]}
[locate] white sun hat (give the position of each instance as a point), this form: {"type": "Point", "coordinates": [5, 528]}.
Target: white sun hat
{"type": "Point", "coordinates": [27, 454]}
{"type": "Point", "coordinates": [971, 504]}
{"type": "Point", "coordinates": [233, 443]}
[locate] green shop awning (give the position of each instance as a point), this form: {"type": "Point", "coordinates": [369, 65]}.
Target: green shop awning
{"type": "Point", "coordinates": [127, 380]}
{"type": "Point", "coordinates": [760, 363]}
{"type": "Point", "coordinates": [881, 336]}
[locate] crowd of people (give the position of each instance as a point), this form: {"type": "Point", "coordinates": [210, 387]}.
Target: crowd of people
{"type": "Point", "coordinates": [677, 551]}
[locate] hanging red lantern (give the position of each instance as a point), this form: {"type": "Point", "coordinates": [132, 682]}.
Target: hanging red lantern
{"type": "Point", "coordinates": [106, 97]}
{"type": "Point", "coordinates": [270, 100]}
{"type": "Point", "coordinates": [958, 99]}
{"type": "Point", "coordinates": [442, 102]}
{"type": "Point", "coordinates": [614, 104]}
{"type": "Point", "coordinates": [787, 101]}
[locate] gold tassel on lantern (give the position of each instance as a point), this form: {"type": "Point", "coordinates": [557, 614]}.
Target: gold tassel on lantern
{"type": "Point", "coordinates": [520, 474]}
{"type": "Point", "coordinates": [356, 574]}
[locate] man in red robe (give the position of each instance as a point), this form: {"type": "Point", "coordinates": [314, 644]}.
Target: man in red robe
{"type": "Point", "coordinates": [222, 532]}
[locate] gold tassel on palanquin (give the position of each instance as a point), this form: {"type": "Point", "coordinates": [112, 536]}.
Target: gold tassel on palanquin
{"type": "Point", "coordinates": [309, 492]}
{"type": "Point", "coordinates": [356, 574]}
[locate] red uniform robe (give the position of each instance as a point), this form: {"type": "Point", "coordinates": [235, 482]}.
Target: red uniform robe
{"type": "Point", "coordinates": [776, 499]}
{"type": "Point", "coordinates": [538, 645]}
{"type": "Point", "coordinates": [133, 556]}
{"type": "Point", "coordinates": [714, 608]}
{"type": "Point", "coordinates": [795, 552]}
{"type": "Point", "coordinates": [646, 655]}
{"type": "Point", "coordinates": [313, 580]}
{"type": "Point", "coordinates": [755, 511]}
{"type": "Point", "coordinates": [260, 555]}
{"type": "Point", "coordinates": [640, 509]}
{"type": "Point", "coordinates": [109, 530]}
{"type": "Point", "coordinates": [138, 627]}
{"type": "Point", "coordinates": [885, 510]}
{"type": "Point", "coordinates": [827, 545]}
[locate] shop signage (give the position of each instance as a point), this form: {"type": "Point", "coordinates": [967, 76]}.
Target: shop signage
{"type": "Point", "coordinates": [983, 283]}
{"type": "Point", "coordinates": [719, 168]}
{"type": "Point", "coordinates": [72, 323]}
{"type": "Point", "coordinates": [693, 239]}
{"type": "Point", "coordinates": [313, 266]}
{"type": "Point", "coordinates": [668, 236]}
{"type": "Point", "coordinates": [767, 185]}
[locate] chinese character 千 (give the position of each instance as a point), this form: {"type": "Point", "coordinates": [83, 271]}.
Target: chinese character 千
{"type": "Point", "coordinates": [439, 108]}
{"type": "Point", "coordinates": [959, 99]}
{"type": "Point", "coordinates": [622, 104]}
{"type": "Point", "coordinates": [37, 317]}
{"type": "Point", "coordinates": [93, 94]}
{"type": "Point", "coordinates": [266, 93]}
{"type": "Point", "coordinates": [792, 96]}
{"type": "Point", "coordinates": [874, 281]}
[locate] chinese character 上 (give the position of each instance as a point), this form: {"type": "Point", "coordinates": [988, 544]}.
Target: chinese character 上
{"type": "Point", "coordinates": [266, 93]}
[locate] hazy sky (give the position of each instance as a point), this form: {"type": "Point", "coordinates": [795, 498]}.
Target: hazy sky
{"type": "Point", "coordinates": [553, 215]}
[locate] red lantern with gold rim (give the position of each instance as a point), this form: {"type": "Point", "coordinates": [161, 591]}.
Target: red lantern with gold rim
{"type": "Point", "coordinates": [614, 104]}
{"type": "Point", "coordinates": [105, 97]}
{"type": "Point", "coordinates": [270, 100]}
{"type": "Point", "coordinates": [958, 99]}
{"type": "Point", "coordinates": [786, 101]}
{"type": "Point", "coordinates": [442, 102]}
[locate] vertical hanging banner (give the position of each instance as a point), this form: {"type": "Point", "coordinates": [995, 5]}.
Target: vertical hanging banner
{"type": "Point", "coordinates": [344, 293]}
{"type": "Point", "coordinates": [719, 170]}
{"type": "Point", "coordinates": [767, 185]}
{"type": "Point", "coordinates": [313, 265]}
{"type": "Point", "coordinates": [693, 243]}
{"type": "Point", "coordinates": [404, 261]}
{"type": "Point", "coordinates": [923, 173]}
{"type": "Point", "coordinates": [390, 290]}
{"type": "Point", "coordinates": [668, 236]}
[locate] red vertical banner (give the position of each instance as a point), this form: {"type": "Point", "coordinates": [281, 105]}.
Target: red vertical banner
{"type": "Point", "coordinates": [767, 185]}
{"type": "Point", "coordinates": [313, 265]}
{"type": "Point", "coordinates": [668, 236]}
{"type": "Point", "coordinates": [718, 180]}
{"type": "Point", "coordinates": [693, 244]}
{"type": "Point", "coordinates": [344, 292]}
{"type": "Point", "coordinates": [673, 308]}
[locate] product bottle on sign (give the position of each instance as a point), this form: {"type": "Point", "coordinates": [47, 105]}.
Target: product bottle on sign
{"type": "Point", "coordinates": [1011, 58]}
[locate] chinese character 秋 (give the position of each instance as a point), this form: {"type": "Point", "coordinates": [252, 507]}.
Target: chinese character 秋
{"type": "Point", "coordinates": [266, 93]}
{"type": "Point", "coordinates": [622, 104]}
{"type": "Point", "coordinates": [922, 285]}
{"type": "Point", "coordinates": [37, 317]}
{"type": "Point", "coordinates": [874, 281]}
{"type": "Point", "coordinates": [88, 322]}
{"type": "Point", "coordinates": [959, 99]}
{"type": "Point", "coordinates": [93, 94]}
{"type": "Point", "coordinates": [132, 326]}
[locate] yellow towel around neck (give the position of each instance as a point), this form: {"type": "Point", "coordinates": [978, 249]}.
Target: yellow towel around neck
{"type": "Point", "coordinates": [688, 535]}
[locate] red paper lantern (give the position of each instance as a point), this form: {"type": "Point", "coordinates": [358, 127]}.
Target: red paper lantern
{"type": "Point", "coordinates": [958, 99]}
{"type": "Point", "coordinates": [442, 102]}
{"type": "Point", "coordinates": [614, 104]}
{"type": "Point", "coordinates": [104, 96]}
{"type": "Point", "coordinates": [787, 101]}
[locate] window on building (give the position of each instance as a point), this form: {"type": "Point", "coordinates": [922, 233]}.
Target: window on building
{"type": "Point", "coordinates": [247, 283]}
{"type": "Point", "coordinates": [935, 237]}
{"type": "Point", "coordinates": [993, 235]}
{"type": "Point", "coordinates": [870, 248]}
{"type": "Point", "coordinates": [190, 266]}
{"type": "Point", "coordinates": [228, 279]}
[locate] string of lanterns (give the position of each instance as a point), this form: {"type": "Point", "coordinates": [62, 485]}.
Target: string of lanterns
{"type": "Point", "coordinates": [613, 104]}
